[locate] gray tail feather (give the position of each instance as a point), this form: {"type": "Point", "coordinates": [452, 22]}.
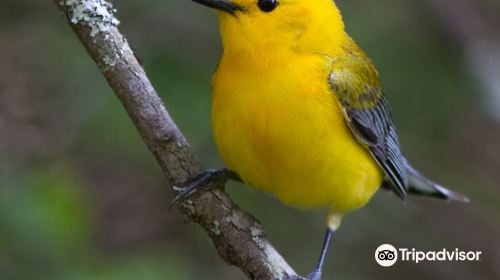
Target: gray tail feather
{"type": "Point", "coordinates": [419, 185]}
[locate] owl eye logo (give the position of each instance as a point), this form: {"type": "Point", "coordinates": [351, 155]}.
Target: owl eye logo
{"type": "Point", "coordinates": [386, 255]}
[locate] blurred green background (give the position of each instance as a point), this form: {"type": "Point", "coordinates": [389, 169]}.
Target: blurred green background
{"type": "Point", "coordinates": [82, 198]}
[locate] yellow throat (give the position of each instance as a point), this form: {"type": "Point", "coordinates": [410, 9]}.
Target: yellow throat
{"type": "Point", "coordinates": [313, 26]}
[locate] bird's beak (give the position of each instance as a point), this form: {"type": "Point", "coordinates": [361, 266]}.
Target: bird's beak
{"type": "Point", "coordinates": [223, 5]}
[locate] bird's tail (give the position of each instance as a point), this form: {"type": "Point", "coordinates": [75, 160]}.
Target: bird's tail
{"type": "Point", "coordinates": [419, 185]}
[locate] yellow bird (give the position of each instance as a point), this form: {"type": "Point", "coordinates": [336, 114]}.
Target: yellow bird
{"type": "Point", "coordinates": [298, 111]}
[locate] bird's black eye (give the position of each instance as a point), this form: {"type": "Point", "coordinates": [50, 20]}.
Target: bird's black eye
{"type": "Point", "coordinates": [267, 5]}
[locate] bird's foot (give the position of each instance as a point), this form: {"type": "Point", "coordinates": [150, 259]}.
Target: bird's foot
{"type": "Point", "coordinates": [202, 181]}
{"type": "Point", "coordinates": [315, 275]}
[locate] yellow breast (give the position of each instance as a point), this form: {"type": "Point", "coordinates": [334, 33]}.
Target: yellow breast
{"type": "Point", "coordinates": [277, 124]}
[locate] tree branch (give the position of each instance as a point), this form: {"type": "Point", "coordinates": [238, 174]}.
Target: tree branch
{"type": "Point", "coordinates": [238, 236]}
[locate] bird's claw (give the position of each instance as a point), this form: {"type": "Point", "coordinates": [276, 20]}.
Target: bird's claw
{"type": "Point", "coordinates": [202, 181]}
{"type": "Point", "coordinates": [315, 275]}
{"type": "Point", "coordinates": [296, 277]}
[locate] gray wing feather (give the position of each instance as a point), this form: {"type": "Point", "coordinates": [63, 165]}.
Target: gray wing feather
{"type": "Point", "coordinates": [372, 126]}
{"type": "Point", "coordinates": [354, 81]}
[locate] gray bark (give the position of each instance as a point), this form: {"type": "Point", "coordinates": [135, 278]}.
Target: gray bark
{"type": "Point", "coordinates": [238, 237]}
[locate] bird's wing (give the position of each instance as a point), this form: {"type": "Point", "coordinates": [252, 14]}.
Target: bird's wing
{"type": "Point", "coordinates": [354, 81]}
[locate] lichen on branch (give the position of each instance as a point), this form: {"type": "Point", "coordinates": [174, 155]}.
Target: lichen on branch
{"type": "Point", "coordinates": [96, 14]}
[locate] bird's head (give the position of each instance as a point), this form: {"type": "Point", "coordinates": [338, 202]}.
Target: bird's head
{"type": "Point", "coordinates": [267, 25]}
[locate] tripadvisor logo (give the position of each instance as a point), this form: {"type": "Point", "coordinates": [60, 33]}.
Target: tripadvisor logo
{"type": "Point", "coordinates": [387, 255]}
